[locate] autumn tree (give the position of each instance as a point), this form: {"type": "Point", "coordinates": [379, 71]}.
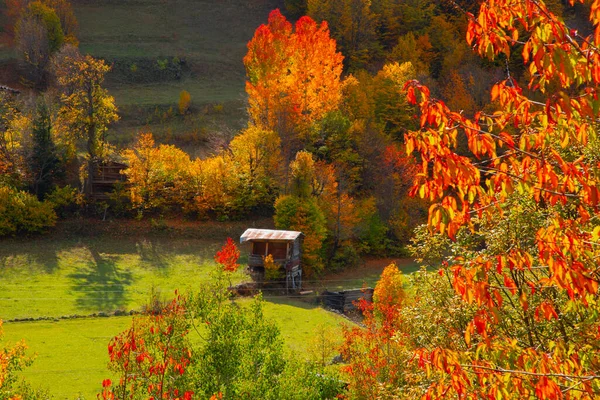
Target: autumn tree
{"type": "Point", "coordinates": [14, 128]}
{"type": "Point", "coordinates": [160, 177]}
{"type": "Point", "coordinates": [353, 27]}
{"type": "Point", "coordinates": [300, 211]}
{"type": "Point", "coordinates": [228, 256]}
{"type": "Point", "coordinates": [87, 109]}
{"type": "Point", "coordinates": [256, 154]}
{"type": "Point", "coordinates": [152, 357]}
{"type": "Point", "coordinates": [529, 194]}
{"type": "Point", "coordinates": [38, 35]}
{"type": "Point", "coordinates": [375, 360]}
{"type": "Point", "coordinates": [293, 74]}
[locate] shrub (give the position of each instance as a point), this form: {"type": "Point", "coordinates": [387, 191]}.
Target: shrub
{"type": "Point", "coordinates": [63, 199]}
{"type": "Point", "coordinates": [184, 101]}
{"type": "Point", "coordinates": [23, 212]}
{"type": "Point", "coordinates": [272, 269]}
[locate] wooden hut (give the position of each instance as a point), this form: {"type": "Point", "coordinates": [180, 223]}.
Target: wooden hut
{"type": "Point", "coordinates": [106, 175]}
{"type": "Point", "coordinates": [284, 246]}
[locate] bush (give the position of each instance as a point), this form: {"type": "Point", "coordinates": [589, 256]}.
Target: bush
{"type": "Point", "coordinates": [64, 199]}
{"type": "Point", "coordinates": [184, 101]}
{"type": "Point", "coordinates": [21, 212]}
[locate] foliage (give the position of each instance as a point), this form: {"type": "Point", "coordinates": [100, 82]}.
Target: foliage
{"type": "Point", "coordinates": [64, 199]}
{"type": "Point", "coordinates": [524, 216]}
{"type": "Point", "coordinates": [272, 269]}
{"type": "Point", "coordinates": [304, 215]}
{"type": "Point", "coordinates": [293, 76]}
{"type": "Point", "coordinates": [87, 109]}
{"type": "Point", "coordinates": [68, 21]}
{"type": "Point", "coordinates": [38, 35]}
{"type": "Point", "coordinates": [371, 231]}
{"type": "Point", "coordinates": [14, 128]}
{"type": "Point", "coordinates": [185, 100]}
{"type": "Point", "coordinates": [227, 184]}
{"type": "Point", "coordinates": [353, 25]}
{"type": "Point", "coordinates": [159, 177]}
{"type": "Point", "coordinates": [256, 154]}
{"type": "Point", "coordinates": [239, 354]}
{"type": "Point", "coordinates": [15, 10]}
{"type": "Point", "coordinates": [375, 361]}
{"type": "Point", "coordinates": [151, 357]}
{"type": "Point", "coordinates": [324, 346]}
{"type": "Point", "coordinates": [228, 256]}
{"type": "Point", "coordinates": [21, 212]}
{"type": "Point", "coordinates": [44, 162]}
{"type": "Point", "coordinates": [300, 211]}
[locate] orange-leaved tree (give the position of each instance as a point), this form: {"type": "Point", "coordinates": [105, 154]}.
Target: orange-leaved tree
{"type": "Point", "coordinates": [293, 75]}
{"type": "Point", "coordinates": [521, 212]}
{"type": "Point", "coordinates": [374, 359]}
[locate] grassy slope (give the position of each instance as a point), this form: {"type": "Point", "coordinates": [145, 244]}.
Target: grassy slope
{"type": "Point", "coordinates": [83, 276]}
{"type": "Point", "coordinates": [113, 268]}
{"type": "Point", "coordinates": [72, 354]}
{"type": "Point", "coordinates": [210, 36]}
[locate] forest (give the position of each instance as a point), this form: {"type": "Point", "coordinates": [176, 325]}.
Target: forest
{"type": "Point", "coordinates": [459, 135]}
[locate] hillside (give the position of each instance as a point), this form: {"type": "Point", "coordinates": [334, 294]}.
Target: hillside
{"type": "Point", "coordinates": [157, 49]}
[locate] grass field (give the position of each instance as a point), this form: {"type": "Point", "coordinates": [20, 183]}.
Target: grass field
{"type": "Point", "coordinates": [84, 276]}
{"type": "Point", "coordinates": [199, 33]}
{"type": "Point", "coordinates": [114, 268]}
{"type": "Point", "coordinates": [72, 354]}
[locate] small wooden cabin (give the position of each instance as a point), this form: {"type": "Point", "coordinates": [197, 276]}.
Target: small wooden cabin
{"type": "Point", "coordinates": [106, 175]}
{"type": "Point", "coordinates": [284, 246]}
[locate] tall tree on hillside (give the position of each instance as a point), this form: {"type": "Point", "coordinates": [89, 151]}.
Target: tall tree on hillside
{"type": "Point", "coordinates": [68, 21]}
{"type": "Point", "coordinates": [87, 108]}
{"type": "Point", "coordinates": [353, 26]}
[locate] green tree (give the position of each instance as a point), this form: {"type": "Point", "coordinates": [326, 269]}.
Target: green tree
{"type": "Point", "coordinates": [208, 345]}
{"type": "Point", "coordinates": [301, 212]}
{"type": "Point", "coordinates": [87, 109]}
{"type": "Point", "coordinates": [44, 162]}
{"type": "Point", "coordinates": [352, 25]}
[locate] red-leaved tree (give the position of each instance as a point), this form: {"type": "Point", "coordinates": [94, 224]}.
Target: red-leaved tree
{"type": "Point", "coordinates": [151, 358]}
{"type": "Point", "coordinates": [228, 256]}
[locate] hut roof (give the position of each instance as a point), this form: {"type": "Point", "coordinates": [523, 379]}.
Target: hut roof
{"type": "Point", "coordinates": [269, 234]}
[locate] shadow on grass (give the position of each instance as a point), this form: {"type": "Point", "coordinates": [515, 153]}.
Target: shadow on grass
{"type": "Point", "coordinates": [42, 256]}
{"type": "Point", "coordinates": [101, 285]}
{"type": "Point", "coordinates": [153, 253]}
